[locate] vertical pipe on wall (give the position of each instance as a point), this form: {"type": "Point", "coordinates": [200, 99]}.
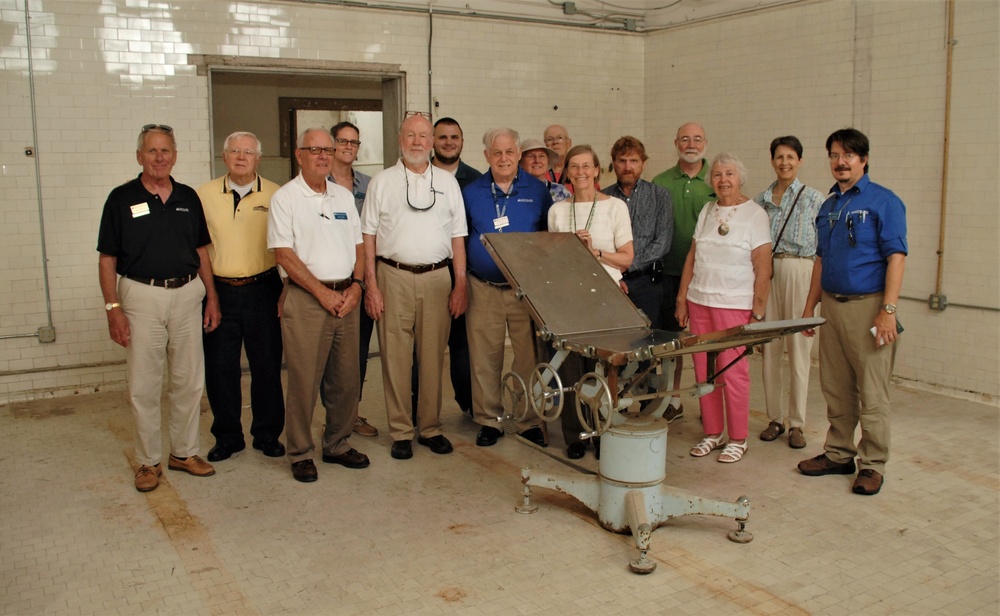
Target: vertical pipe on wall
{"type": "Point", "coordinates": [950, 44]}
{"type": "Point", "coordinates": [430, 59]}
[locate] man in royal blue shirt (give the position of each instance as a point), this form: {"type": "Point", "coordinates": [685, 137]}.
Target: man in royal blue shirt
{"type": "Point", "coordinates": [504, 200]}
{"type": "Point", "coordinates": [858, 273]}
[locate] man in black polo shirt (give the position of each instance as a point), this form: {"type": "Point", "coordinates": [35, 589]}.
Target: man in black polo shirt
{"type": "Point", "coordinates": [153, 234]}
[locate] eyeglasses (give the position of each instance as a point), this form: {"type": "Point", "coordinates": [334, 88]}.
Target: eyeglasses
{"type": "Point", "coordinates": [850, 231]}
{"type": "Point", "coordinates": [410, 114]}
{"type": "Point", "coordinates": [694, 140]}
{"type": "Point", "coordinates": [163, 127]}
{"type": "Point", "coordinates": [556, 139]}
{"type": "Point", "coordinates": [847, 157]}
{"type": "Point", "coordinates": [236, 152]}
{"type": "Point", "coordinates": [351, 142]}
{"type": "Point", "coordinates": [316, 150]}
{"type": "Point", "coordinates": [406, 177]}
{"type": "Point", "coordinates": [588, 167]}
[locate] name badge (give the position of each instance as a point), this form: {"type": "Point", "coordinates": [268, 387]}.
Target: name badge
{"type": "Point", "coordinates": [340, 215]}
{"type": "Point", "coordinates": [139, 209]}
{"type": "Point", "coordinates": [500, 223]}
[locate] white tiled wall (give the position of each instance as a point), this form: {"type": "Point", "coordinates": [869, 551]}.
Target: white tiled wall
{"type": "Point", "coordinates": [102, 68]}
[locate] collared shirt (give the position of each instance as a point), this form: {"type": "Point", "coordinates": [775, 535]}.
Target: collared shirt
{"type": "Point", "coordinates": [652, 214]}
{"type": "Point", "coordinates": [799, 238]}
{"type": "Point", "coordinates": [689, 196]}
{"type": "Point", "coordinates": [465, 174]}
{"type": "Point", "coordinates": [150, 238]}
{"type": "Point", "coordinates": [239, 238]}
{"type": "Point", "coordinates": [559, 192]}
{"type": "Point", "coordinates": [878, 228]}
{"type": "Point", "coordinates": [359, 186]}
{"type": "Point", "coordinates": [525, 207]}
{"type": "Point", "coordinates": [408, 235]}
{"type": "Point", "coordinates": [322, 229]}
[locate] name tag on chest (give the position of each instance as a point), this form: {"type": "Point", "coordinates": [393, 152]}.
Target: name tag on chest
{"type": "Point", "coordinates": [500, 223]}
{"type": "Point", "coordinates": [140, 209]}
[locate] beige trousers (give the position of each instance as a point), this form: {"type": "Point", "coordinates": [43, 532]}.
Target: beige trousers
{"type": "Point", "coordinates": [789, 289]}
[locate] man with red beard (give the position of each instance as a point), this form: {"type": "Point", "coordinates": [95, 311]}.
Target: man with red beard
{"type": "Point", "coordinates": [652, 214]}
{"type": "Point", "coordinates": [689, 193]}
{"type": "Point", "coordinates": [414, 226]}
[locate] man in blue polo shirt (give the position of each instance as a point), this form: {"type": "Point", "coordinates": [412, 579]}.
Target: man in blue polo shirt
{"type": "Point", "coordinates": [858, 273]}
{"type": "Point", "coordinates": [504, 200]}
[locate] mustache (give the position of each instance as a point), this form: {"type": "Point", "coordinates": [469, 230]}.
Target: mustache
{"type": "Point", "coordinates": [842, 168]}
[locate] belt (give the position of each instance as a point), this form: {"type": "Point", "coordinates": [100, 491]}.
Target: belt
{"type": "Point", "coordinates": [499, 285]}
{"type": "Point", "coordinates": [166, 283]}
{"type": "Point", "coordinates": [787, 255]}
{"type": "Point", "coordinates": [415, 269]}
{"type": "Point", "coordinates": [850, 298]}
{"type": "Point", "coordinates": [339, 285]}
{"type": "Point", "coordinates": [240, 282]}
{"type": "Point", "coordinates": [644, 271]}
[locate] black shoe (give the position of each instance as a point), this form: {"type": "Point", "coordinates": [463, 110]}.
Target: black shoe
{"type": "Point", "coordinates": [222, 452]}
{"type": "Point", "coordinates": [576, 450]}
{"type": "Point", "coordinates": [271, 449]}
{"type": "Point", "coordinates": [304, 471]}
{"type": "Point", "coordinates": [438, 444]}
{"type": "Point", "coordinates": [535, 436]}
{"type": "Point", "coordinates": [402, 450]}
{"type": "Point", "coordinates": [488, 436]}
{"type": "Point", "coordinates": [352, 458]}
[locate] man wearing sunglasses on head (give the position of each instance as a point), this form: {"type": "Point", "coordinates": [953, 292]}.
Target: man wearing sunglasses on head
{"type": "Point", "coordinates": [857, 274]}
{"type": "Point", "coordinates": [154, 236]}
{"type": "Point", "coordinates": [414, 226]}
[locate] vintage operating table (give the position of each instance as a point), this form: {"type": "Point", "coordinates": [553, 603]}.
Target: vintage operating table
{"type": "Point", "coordinates": [579, 309]}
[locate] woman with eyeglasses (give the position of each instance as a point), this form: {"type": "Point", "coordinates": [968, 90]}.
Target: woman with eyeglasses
{"type": "Point", "coordinates": [602, 223]}
{"type": "Point", "coordinates": [725, 283]}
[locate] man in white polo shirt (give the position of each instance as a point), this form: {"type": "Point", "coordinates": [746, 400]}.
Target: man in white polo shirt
{"type": "Point", "coordinates": [315, 234]}
{"type": "Point", "coordinates": [413, 223]}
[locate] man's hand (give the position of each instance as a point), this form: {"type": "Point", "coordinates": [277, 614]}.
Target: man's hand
{"type": "Point", "coordinates": [374, 305]}
{"type": "Point", "coordinates": [118, 326]}
{"type": "Point", "coordinates": [213, 316]}
{"type": "Point", "coordinates": [351, 297]}
{"type": "Point", "coordinates": [458, 301]}
{"type": "Point", "coordinates": [885, 328]}
{"type": "Point", "coordinates": [330, 300]}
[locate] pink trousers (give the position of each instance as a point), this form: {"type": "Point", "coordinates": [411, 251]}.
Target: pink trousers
{"type": "Point", "coordinates": [735, 396]}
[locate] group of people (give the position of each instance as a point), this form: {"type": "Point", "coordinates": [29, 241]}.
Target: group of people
{"type": "Point", "coordinates": [307, 271]}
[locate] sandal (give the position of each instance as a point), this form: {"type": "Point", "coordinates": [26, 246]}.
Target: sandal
{"type": "Point", "coordinates": [733, 453]}
{"type": "Point", "coordinates": [707, 445]}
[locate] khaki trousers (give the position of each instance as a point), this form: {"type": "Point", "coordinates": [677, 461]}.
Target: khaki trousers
{"type": "Point", "coordinates": [321, 352]}
{"type": "Point", "coordinates": [416, 316]}
{"type": "Point", "coordinates": [493, 312]}
{"type": "Point", "coordinates": [164, 326]}
{"type": "Point", "coordinates": [855, 378]}
{"type": "Point", "coordinates": [789, 289]}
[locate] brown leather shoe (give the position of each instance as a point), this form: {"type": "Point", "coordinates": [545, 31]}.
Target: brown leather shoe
{"type": "Point", "coordinates": [304, 471]}
{"type": "Point", "coordinates": [363, 428]}
{"type": "Point", "coordinates": [193, 465]}
{"type": "Point", "coordinates": [352, 458]}
{"type": "Point", "coordinates": [772, 431]}
{"type": "Point", "coordinates": [796, 440]}
{"type": "Point", "coordinates": [147, 478]}
{"type": "Point", "coordinates": [822, 465]}
{"type": "Point", "coordinates": [869, 482]}
{"type": "Point", "coordinates": [673, 413]}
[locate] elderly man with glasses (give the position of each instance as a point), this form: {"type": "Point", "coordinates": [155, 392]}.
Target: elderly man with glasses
{"type": "Point", "coordinates": [414, 226]}
{"type": "Point", "coordinates": [315, 233]}
{"type": "Point", "coordinates": [154, 272]}
{"type": "Point", "coordinates": [246, 278]}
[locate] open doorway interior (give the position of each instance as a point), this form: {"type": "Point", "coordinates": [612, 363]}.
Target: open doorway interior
{"type": "Point", "coordinates": [275, 106]}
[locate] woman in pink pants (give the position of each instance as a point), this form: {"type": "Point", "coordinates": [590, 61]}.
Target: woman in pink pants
{"type": "Point", "coordinates": [725, 283]}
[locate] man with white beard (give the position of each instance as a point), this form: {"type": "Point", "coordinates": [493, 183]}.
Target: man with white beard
{"type": "Point", "coordinates": [413, 224]}
{"type": "Point", "coordinates": [689, 193]}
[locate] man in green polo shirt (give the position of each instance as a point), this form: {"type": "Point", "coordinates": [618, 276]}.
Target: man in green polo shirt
{"type": "Point", "coordinates": [689, 193]}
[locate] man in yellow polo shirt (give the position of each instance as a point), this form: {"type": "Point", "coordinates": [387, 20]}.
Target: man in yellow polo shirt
{"type": "Point", "coordinates": [246, 277]}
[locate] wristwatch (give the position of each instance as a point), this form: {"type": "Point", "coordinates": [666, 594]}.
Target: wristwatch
{"type": "Point", "coordinates": [757, 317]}
{"type": "Point", "coordinates": [889, 308]}
{"type": "Point", "coordinates": [361, 283]}
{"type": "Point", "coordinates": [112, 306]}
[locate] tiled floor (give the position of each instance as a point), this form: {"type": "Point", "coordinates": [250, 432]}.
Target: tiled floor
{"type": "Point", "coordinates": [438, 534]}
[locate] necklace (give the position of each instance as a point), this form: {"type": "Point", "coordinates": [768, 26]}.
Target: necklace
{"type": "Point", "coordinates": [572, 214]}
{"type": "Point", "coordinates": [724, 224]}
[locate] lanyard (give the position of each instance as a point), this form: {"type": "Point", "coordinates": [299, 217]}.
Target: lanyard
{"type": "Point", "coordinates": [506, 197]}
{"type": "Point", "coordinates": [572, 214]}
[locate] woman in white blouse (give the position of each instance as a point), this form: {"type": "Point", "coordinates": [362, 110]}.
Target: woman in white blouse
{"type": "Point", "coordinates": [725, 283]}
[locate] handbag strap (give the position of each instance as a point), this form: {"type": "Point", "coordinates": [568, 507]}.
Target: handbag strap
{"type": "Point", "coordinates": [787, 218]}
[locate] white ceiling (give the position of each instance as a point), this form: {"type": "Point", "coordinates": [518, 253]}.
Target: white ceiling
{"type": "Point", "coordinates": [635, 15]}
